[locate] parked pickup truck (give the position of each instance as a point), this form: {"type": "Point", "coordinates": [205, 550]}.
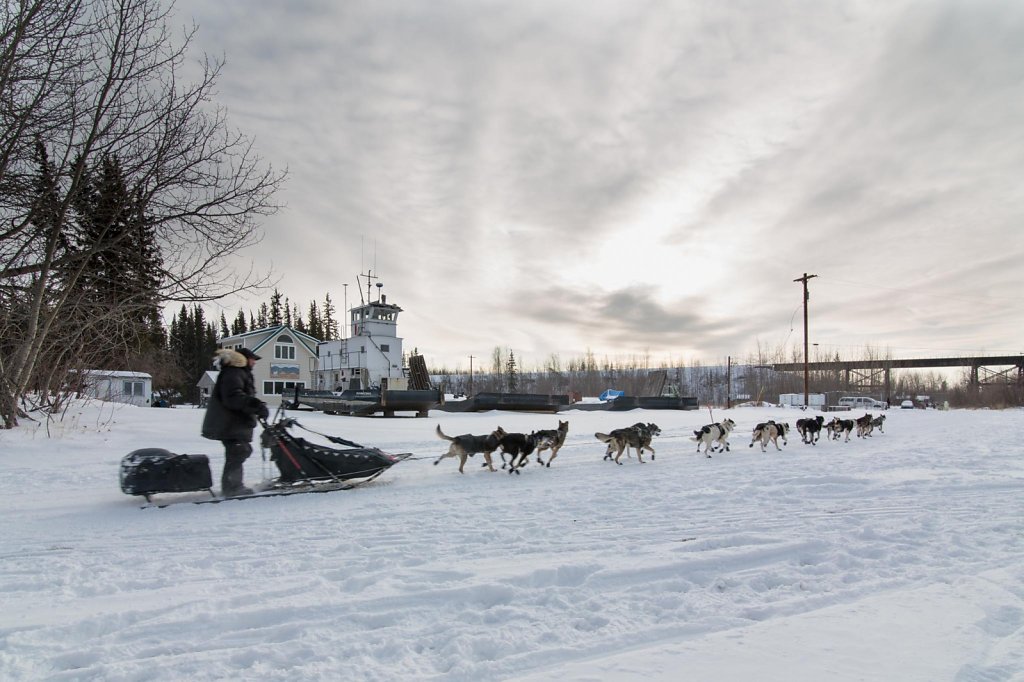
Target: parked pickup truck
{"type": "Point", "coordinates": [862, 402]}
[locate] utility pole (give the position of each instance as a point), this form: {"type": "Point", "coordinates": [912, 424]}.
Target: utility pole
{"type": "Point", "coordinates": [470, 377]}
{"type": "Point", "coordinates": [728, 382]}
{"type": "Point", "coordinates": [806, 372]}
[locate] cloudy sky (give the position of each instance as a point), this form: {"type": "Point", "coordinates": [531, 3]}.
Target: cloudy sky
{"type": "Point", "coordinates": [642, 177]}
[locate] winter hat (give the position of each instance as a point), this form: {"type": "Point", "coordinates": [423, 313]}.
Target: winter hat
{"type": "Point", "coordinates": [249, 355]}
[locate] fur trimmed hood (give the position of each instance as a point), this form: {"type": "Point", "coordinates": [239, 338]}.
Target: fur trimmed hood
{"type": "Point", "coordinates": [226, 357]}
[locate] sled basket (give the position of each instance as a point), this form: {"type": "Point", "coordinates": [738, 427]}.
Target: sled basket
{"type": "Point", "coordinates": [298, 459]}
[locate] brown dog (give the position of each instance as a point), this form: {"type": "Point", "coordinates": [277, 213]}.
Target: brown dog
{"type": "Point", "coordinates": [551, 439]}
{"type": "Point", "coordinates": [467, 445]}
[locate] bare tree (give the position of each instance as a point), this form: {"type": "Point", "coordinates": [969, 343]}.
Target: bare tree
{"type": "Point", "coordinates": [82, 80]}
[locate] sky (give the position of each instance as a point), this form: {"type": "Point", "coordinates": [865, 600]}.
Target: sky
{"type": "Point", "coordinates": [641, 177]}
{"type": "Point", "coordinates": [892, 557]}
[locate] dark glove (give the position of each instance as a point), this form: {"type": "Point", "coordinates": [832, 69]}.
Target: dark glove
{"type": "Point", "coordinates": [263, 412]}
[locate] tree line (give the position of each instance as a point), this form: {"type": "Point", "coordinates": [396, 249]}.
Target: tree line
{"type": "Point", "coordinates": [728, 382]}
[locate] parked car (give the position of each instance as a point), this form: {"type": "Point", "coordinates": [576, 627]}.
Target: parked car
{"type": "Point", "coordinates": [862, 402]}
{"type": "Point", "coordinates": [907, 405]}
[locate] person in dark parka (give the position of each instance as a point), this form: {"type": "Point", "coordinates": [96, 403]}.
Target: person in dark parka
{"type": "Point", "coordinates": [231, 415]}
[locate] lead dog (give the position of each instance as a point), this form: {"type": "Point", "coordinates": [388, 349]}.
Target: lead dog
{"type": "Point", "coordinates": [551, 439]}
{"type": "Point", "coordinates": [717, 433]}
{"type": "Point", "coordinates": [467, 445]}
{"type": "Point", "coordinates": [877, 422]}
{"type": "Point", "coordinates": [770, 432]}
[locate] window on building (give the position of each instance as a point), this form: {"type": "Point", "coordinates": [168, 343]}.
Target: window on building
{"type": "Point", "coordinates": [133, 388]}
{"type": "Point", "coordinates": [280, 387]}
{"type": "Point", "coordinates": [284, 348]}
{"type": "Point", "coordinates": [385, 347]}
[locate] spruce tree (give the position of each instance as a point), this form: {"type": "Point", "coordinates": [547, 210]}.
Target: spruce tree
{"type": "Point", "coordinates": [275, 318]}
{"type": "Point", "coordinates": [330, 324]}
{"type": "Point", "coordinates": [297, 320]}
{"type": "Point", "coordinates": [315, 329]}
{"type": "Point", "coordinates": [512, 373]}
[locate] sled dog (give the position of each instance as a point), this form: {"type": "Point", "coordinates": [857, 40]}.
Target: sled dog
{"type": "Point", "coordinates": [519, 446]}
{"type": "Point", "coordinates": [467, 445]}
{"type": "Point", "coordinates": [637, 436]}
{"type": "Point", "coordinates": [551, 439]}
{"type": "Point", "coordinates": [770, 432]}
{"type": "Point", "coordinates": [714, 436]}
{"type": "Point", "coordinates": [864, 426]}
{"type": "Point", "coordinates": [839, 427]}
{"type": "Point", "coordinates": [877, 423]}
{"type": "Point", "coordinates": [810, 429]}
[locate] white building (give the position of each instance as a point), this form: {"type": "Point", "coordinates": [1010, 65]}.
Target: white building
{"type": "Point", "coordinates": [287, 358]}
{"type": "Point", "coordinates": [370, 358]}
{"type": "Point", "coordinates": [133, 388]}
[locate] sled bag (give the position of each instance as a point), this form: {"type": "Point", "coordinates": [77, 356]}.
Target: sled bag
{"type": "Point", "coordinates": [154, 470]}
{"type": "Point", "coordinates": [297, 459]}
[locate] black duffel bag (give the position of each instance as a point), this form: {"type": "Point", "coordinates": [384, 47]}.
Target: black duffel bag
{"type": "Point", "coordinates": [155, 470]}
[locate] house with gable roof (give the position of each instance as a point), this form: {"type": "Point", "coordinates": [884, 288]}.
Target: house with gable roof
{"type": "Point", "coordinates": [288, 358]}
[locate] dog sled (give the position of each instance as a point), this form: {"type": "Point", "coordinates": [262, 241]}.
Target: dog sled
{"type": "Point", "coordinates": [299, 460]}
{"type": "Point", "coordinates": [303, 467]}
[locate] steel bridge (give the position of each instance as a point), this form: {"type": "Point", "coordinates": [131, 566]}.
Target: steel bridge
{"type": "Point", "coordinates": [986, 370]}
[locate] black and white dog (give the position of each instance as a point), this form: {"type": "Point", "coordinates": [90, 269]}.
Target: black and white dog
{"type": "Point", "coordinates": [838, 427]}
{"type": "Point", "coordinates": [770, 432]}
{"type": "Point", "coordinates": [714, 436]}
{"type": "Point", "coordinates": [810, 429]}
{"type": "Point", "coordinates": [519, 446]}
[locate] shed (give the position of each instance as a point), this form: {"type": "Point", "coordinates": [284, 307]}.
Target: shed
{"type": "Point", "coordinates": [205, 385]}
{"type": "Point", "coordinates": [133, 388]}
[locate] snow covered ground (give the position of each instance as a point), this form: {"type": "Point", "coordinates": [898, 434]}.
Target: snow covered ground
{"type": "Point", "coordinates": [897, 557]}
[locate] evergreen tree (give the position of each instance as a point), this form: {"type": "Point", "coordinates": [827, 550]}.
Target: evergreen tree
{"type": "Point", "coordinates": [316, 328]}
{"type": "Point", "coordinates": [287, 312]}
{"type": "Point", "coordinates": [224, 331]}
{"type": "Point", "coordinates": [117, 294]}
{"type": "Point", "coordinates": [239, 326]}
{"type": "Point", "coordinates": [297, 320]}
{"type": "Point", "coordinates": [263, 317]}
{"type": "Point", "coordinates": [330, 324]}
{"type": "Point", "coordinates": [275, 318]}
{"type": "Point", "coordinates": [512, 373]}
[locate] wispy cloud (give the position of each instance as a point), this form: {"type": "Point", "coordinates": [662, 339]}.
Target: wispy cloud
{"type": "Point", "coordinates": [639, 176]}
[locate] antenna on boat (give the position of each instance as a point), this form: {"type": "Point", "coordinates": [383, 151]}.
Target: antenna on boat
{"type": "Point", "coordinates": [345, 324]}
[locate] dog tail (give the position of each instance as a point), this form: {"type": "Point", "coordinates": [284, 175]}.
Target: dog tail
{"type": "Point", "coordinates": [603, 437]}
{"type": "Point", "coordinates": [440, 434]}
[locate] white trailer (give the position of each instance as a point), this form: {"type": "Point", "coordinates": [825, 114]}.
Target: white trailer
{"type": "Point", "coordinates": [797, 400]}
